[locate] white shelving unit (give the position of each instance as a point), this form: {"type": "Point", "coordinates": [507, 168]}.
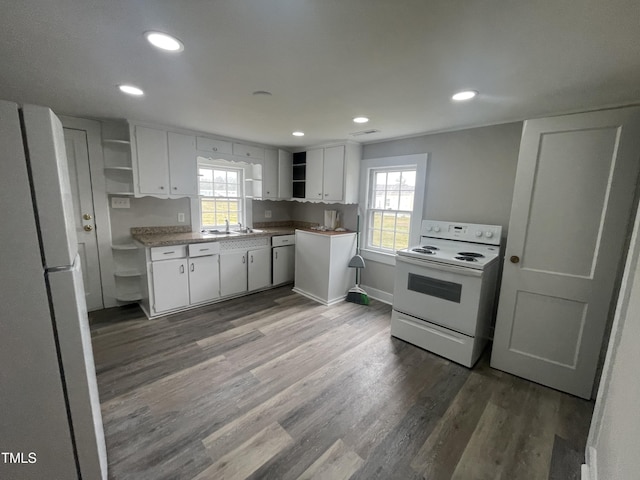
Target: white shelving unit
{"type": "Point", "coordinates": [117, 166]}
{"type": "Point", "coordinates": [127, 274]}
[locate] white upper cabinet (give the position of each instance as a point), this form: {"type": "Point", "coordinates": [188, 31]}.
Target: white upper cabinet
{"type": "Point", "coordinates": [164, 163]}
{"type": "Point", "coordinates": [248, 151]}
{"type": "Point", "coordinates": [183, 167]}
{"type": "Point", "coordinates": [270, 175]}
{"type": "Point", "coordinates": [315, 176]}
{"type": "Point", "coordinates": [213, 145]}
{"type": "Point", "coordinates": [151, 157]}
{"type": "Point", "coordinates": [332, 173]}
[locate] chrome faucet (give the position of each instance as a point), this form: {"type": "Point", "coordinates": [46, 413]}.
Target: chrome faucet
{"type": "Point", "coordinates": [226, 222]}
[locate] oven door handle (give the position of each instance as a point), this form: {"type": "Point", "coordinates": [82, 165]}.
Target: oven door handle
{"type": "Point", "coordinates": [471, 272]}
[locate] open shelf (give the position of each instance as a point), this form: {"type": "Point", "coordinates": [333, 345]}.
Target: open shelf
{"type": "Point", "coordinates": [124, 246]}
{"type": "Point", "coordinates": [128, 273]}
{"type": "Point", "coordinates": [114, 141]}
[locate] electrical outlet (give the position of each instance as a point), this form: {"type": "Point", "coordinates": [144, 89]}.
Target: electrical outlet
{"type": "Point", "coordinates": [181, 217]}
{"type": "Point", "coordinates": [267, 214]}
{"type": "Point", "coordinates": [120, 202]}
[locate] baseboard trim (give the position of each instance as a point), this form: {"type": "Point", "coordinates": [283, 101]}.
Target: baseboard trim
{"type": "Point", "coordinates": [589, 469]}
{"type": "Point", "coordinates": [380, 295]}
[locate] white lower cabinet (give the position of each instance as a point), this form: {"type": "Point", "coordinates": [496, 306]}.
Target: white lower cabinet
{"type": "Point", "coordinates": [244, 271]}
{"type": "Point", "coordinates": [204, 279]}
{"type": "Point", "coordinates": [233, 273]}
{"type": "Point", "coordinates": [283, 264]}
{"type": "Point", "coordinates": [259, 269]}
{"type": "Point", "coordinates": [170, 284]}
{"type": "Point", "coordinates": [183, 275]}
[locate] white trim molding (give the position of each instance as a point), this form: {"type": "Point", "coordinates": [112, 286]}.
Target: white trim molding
{"type": "Point", "coordinates": [381, 296]}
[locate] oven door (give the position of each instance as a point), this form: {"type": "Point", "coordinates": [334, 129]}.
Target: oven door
{"type": "Point", "coordinates": [446, 295]}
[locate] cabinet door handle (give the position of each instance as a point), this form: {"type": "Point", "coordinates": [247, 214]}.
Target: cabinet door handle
{"type": "Point", "coordinates": [168, 253]}
{"type": "Point", "coordinates": [276, 252]}
{"type": "Point", "coordinates": [193, 267]}
{"type": "Point", "coordinates": [244, 260]}
{"type": "Point", "coordinates": [175, 188]}
{"type": "Point", "coordinates": [181, 268]}
{"type": "Point", "coordinates": [215, 149]}
{"type": "Point", "coordinates": [251, 258]}
{"type": "Point", "coordinates": [161, 188]}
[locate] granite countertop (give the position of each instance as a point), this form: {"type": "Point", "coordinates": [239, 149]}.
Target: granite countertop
{"type": "Point", "coordinates": [166, 236]}
{"type": "Point", "coordinates": [182, 235]}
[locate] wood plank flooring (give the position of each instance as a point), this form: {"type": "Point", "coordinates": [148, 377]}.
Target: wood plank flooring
{"type": "Point", "coordinates": [275, 386]}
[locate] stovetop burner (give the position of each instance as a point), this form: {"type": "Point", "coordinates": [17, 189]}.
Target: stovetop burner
{"type": "Point", "coordinates": [470, 254]}
{"type": "Point", "coordinates": [429, 247]}
{"type": "Point", "coordinates": [423, 250]}
{"type": "Point", "coordinates": [466, 258]}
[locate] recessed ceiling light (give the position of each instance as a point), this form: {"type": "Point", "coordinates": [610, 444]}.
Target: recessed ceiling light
{"type": "Point", "coordinates": [464, 95]}
{"type": "Point", "coordinates": [298, 134]}
{"type": "Point", "coordinates": [164, 41]}
{"type": "Point", "coordinates": [360, 120]}
{"type": "Point", "coordinates": [130, 90]}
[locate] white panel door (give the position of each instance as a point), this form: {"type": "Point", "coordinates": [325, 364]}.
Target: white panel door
{"type": "Point", "coordinates": [152, 159]}
{"type": "Point", "coordinates": [570, 214]}
{"type": "Point", "coordinates": [204, 279]}
{"type": "Point", "coordinates": [259, 268]}
{"type": "Point", "coordinates": [333, 173]}
{"type": "Point", "coordinates": [80, 181]}
{"type": "Point", "coordinates": [183, 170]}
{"type": "Point", "coordinates": [314, 175]}
{"type": "Point", "coordinates": [170, 284]}
{"type": "Point", "coordinates": [233, 273]}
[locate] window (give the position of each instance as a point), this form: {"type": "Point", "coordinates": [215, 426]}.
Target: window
{"type": "Point", "coordinates": [221, 196]}
{"type": "Point", "coordinates": [389, 208]}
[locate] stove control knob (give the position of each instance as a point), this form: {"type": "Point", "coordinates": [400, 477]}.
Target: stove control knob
{"type": "Point", "coordinates": [436, 229]}
{"type": "Point", "coordinates": [478, 233]}
{"type": "Point", "coordinates": [489, 234]}
{"type": "Point", "coordinates": [429, 228]}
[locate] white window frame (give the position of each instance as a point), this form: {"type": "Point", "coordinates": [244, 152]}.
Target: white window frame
{"type": "Point", "coordinates": [417, 161]}
{"type": "Point", "coordinates": [241, 190]}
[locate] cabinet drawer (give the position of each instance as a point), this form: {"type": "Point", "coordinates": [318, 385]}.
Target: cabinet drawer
{"type": "Point", "coordinates": [283, 240]}
{"type": "Point", "coordinates": [165, 253]}
{"type": "Point", "coordinates": [213, 145]}
{"type": "Point", "coordinates": [202, 249]}
{"type": "Point", "coordinates": [243, 150]}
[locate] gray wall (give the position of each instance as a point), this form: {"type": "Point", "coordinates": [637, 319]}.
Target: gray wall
{"type": "Point", "coordinates": [280, 210]}
{"type": "Point", "coordinates": [147, 212]}
{"type": "Point", "coordinates": [470, 178]}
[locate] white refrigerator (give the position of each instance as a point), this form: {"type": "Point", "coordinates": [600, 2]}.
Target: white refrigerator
{"type": "Point", "coordinates": [50, 419]}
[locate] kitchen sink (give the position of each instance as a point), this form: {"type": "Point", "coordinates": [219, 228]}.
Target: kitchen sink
{"type": "Point", "coordinates": [248, 230]}
{"type": "Point", "coordinates": [218, 233]}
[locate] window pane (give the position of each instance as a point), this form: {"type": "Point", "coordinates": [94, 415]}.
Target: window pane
{"type": "Point", "coordinates": [387, 239]}
{"type": "Point", "coordinates": [403, 222]}
{"type": "Point", "coordinates": [408, 181]}
{"type": "Point", "coordinates": [406, 200]}
{"type": "Point", "coordinates": [377, 220]}
{"type": "Point", "coordinates": [375, 238]}
{"type": "Point", "coordinates": [402, 241]}
{"type": "Point", "coordinates": [232, 177]}
{"type": "Point", "coordinates": [389, 221]}
{"type": "Point", "coordinates": [393, 192]}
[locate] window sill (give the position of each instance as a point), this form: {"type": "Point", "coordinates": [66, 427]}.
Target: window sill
{"type": "Point", "coordinates": [379, 257]}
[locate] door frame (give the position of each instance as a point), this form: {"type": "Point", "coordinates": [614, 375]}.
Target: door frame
{"type": "Point", "coordinates": [93, 130]}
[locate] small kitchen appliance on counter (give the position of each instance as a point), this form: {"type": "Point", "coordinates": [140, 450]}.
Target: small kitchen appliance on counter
{"type": "Point", "coordinates": [445, 289]}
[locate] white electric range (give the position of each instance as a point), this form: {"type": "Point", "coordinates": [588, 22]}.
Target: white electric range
{"type": "Point", "coordinates": [445, 287]}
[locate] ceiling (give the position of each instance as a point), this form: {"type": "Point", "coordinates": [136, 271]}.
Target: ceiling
{"type": "Point", "coordinates": [324, 61]}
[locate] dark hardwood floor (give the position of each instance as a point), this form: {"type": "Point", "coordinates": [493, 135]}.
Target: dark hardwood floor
{"type": "Point", "coordinates": [275, 386]}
